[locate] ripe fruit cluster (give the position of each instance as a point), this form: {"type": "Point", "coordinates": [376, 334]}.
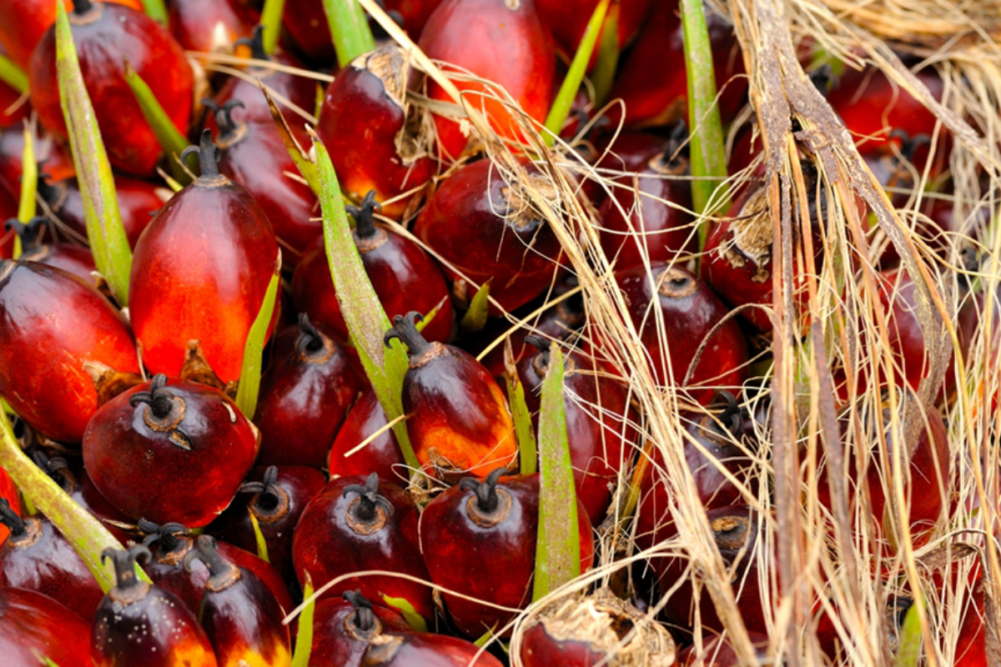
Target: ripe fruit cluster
{"type": "Point", "coordinates": [130, 405]}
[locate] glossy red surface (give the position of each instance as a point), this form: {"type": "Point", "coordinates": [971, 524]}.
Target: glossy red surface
{"type": "Point", "coordinates": [381, 455]}
{"type": "Point", "coordinates": [33, 624]}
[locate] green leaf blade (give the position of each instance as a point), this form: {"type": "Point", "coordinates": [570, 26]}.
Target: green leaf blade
{"type": "Point", "coordinates": [476, 317]}
{"type": "Point", "coordinates": [167, 135]}
{"type": "Point", "coordinates": [12, 75]}
{"type": "Point", "coordinates": [253, 351]}
{"type": "Point", "coordinates": [410, 615]}
{"type": "Point", "coordinates": [349, 28]}
{"type": "Point", "coordinates": [271, 19]}
{"type": "Point", "coordinates": [304, 640]}
{"type": "Point", "coordinates": [156, 10]}
{"type": "Point", "coordinates": [608, 58]}
{"type": "Point", "coordinates": [528, 453]}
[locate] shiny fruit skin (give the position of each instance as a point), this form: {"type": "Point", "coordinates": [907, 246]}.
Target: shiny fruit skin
{"type": "Point", "coordinates": [8, 491]}
{"type": "Point", "coordinates": [305, 395]}
{"type": "Point", "coordinates": [507, 46]}
{"type": "Point", "coordinates": [381, 455]}
{"type": "Point", "coordinates": [103, 37]}
{"type": "Point", "coordinates": [72, 259]}
{"type": "Point", "coordinates": [13, 109]}
{"type": "Point", "coordinates": [184, 466]}
{"type": "Point", "coordinates": [45, 308]}
{"type": "Point", "coordinates": [362, 116]}
{"type": "Point", "coordinates": [337, 637]}
{"type": "Point", "coordinates": [427, 650]}
{"type": "Point", "coordinates": [689, 311]}
{"type": "Point", "coordinates": [56, 161]}
{"type": "Point", "coordinates": [721, 652]}
{"type": "Point", "coordinates": [197, 275]}
{"type": "Point", "coordinates": [568, 21]}
{"type": "Point", "coordinates": [211, 27]}
{"type": "Point", "coordinates": [463, 222]}
{"type": "Point", "coordinates": [488, 554]}
{"type": "Point", "coordinates": [32, 624]}
{"type": "Point", "coordinates": [330, 542]}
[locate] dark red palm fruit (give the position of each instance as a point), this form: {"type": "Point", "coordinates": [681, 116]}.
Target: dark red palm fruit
{"type": "Point", "coordinates": [343, 629]}
{"type": "Point", "coordinates": [170, 450]}
{"type": "Point", "coordinates": [689, 312]}
{"type": "Point", "coordinates": [651, 101]}
{"type": "Point", "coordinates": [478, 539]}
{"type": "Point", "coordinates": [356, 524]}
{"type": "Point", "coordinates": [8, 209]}
{"type": "Point", "coordinates": [568, 22]}
{"type": "Point", "coordinates": [719, 652]}
{"type": "Point", "coordinates": [629, 151]}
{"type": "Point", "coordinates": [458, 420]}
{"type": "Point", "coordinates": [499, 41]}
{"type": "Point", "coordinates": [43, 308]}
{"type": "Point", "coordinates": [635, 225]}
{"type": "Point", "coordinates": [37, 556]}
{"type": "Point", "coordinates": [372, 133]}
{"type": "Point", "coordinates": [305, 395]}
{"type": "Point", "coordinates": [403, 274]}
{"type": "Point", "coordinates": [425, 649]}
{"type": "Point", "coordinates": [106, 35]}
{"type": "Point", "coordinates": [170, 543]}
{"type": "Point", "coordinates": [8, 492]}
{"type": "Point", "coordinates": [382, 455]}
{"type": "Point", "coordinates": [197, 273]}
{"type": "Point", "coordinates": [254, 156]}
{"type": "Point", "coordinates": [211, 27]}
{"type": "Point", "coordinates": [276, 497]}
{"type": "Point", "coordinates": [597, 417]}
{"type": "Point", "coordinates": [241, 617]}
{"type": "Point", "coordinates": [480, 224]}
{"type": "Point", "coordinates": [142, 624]}
{"type": "Point", "coordinates": [72, 259]}
{"type": "Point", "coordinates": [33, 625]}
{"type": "Point", "coordinates": [138, 200]}
{"type": "Point", "coordinates": [971, 645]}
{"type": "Point", "coordinates": [53, 159]}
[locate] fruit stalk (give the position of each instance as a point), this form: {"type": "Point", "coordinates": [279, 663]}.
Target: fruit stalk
{"type": "Point", "coordinates": [169, 137]}
{"type": "Point", "coordinates": [271, 19]}
{"type": "Point", "coordinates": [349, 28]}
{"type": "Point", "coordinates": [12, 75]}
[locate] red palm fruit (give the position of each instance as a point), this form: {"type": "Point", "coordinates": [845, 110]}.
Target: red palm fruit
{"type": "Point", "coordinates": [719, 652]}
{"type": "Point", "coordinates": [170, 543]}
{"type": "Point", "coordinates": [478, 539]}
{"type": "Point", "coordinates": [597, 417]}
{"type": "Point", "coordinates": [212, 27]}
{"type": "Point", "coordinates": [372, 133]}
{"type": "Point", "coordinates": [54, 160]}
{"type": "Point", "coordinates": [499, 41]}
{"type": "Point", "coordinates": [170, 449]}
{"type": "Point", "coordinates": [568, 21]}
{"type": "Point", "coordinates": [76, 325]}
{"type": "Point", "coordinates": [664, 100]}
{"type": "Point", "coordinates": [458, 419]}
{"type": "Point", "coordinates": [8, 209]}
{"type": "Point", "coordinates": [629, 151]}
{"type": "Point", "coordinates": [595, 630]}
{"type": "Point", "coordinates": [971, 645]}
{"type": "Point", "coordinates": [403, 275]}
{"type": "Point", "coordinates": [196, 273]}
{"type": "Point", "coordinates": [170, 635]}
{"type": "Point", "coordinates": [689, 313]}
{"type": "Point", "coordinates": [33, 625]}
{"type": "Point", "coordinates": [305, 395]}
{"type": "Point", "coordinates": [255, 157]}
{"type": "Point", "coordinates": [137, 202]}
{"type": "Point", "coordinates": [343, 629]}
{"type": "Point", "coordinates": [356, 524]}
{"type": "Point", "coordinates": [25, 21]}
{"type": "Point", "coordinates": [72, 259]}
{"type": "Point", "coordinates": [483, 226]}
{"type": "Point", "coordinates": [636, 224]}
{"type": "Point", "coordinates": [8, 492]}
{"type": "Point", "coordinates": [36, 556]}
{"type": "Point", "coordinates": [241, 617]}
{"type": "Point", "coordinates": [382, 455]}
{"type": "Point", "coordinates": [106, 36]}
{"type": "Point", "coordinates": [427, 650]}
{"type": "Point", "coordinates": [276, 497]}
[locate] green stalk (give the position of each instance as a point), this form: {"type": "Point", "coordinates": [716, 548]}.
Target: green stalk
{"type": "Point", "coordinates": [271, 19]}
{"type": "Point", "coordinates": [528, 453]}
{"type": "Point", "coordinates": [168, 136]}
{"type": "Point", "coordinates": [12, 75]}
{"type": "Point", "coordinates": [262, 543]}
{"type": "Point", "coordinates": [608, 58]}
{"type": "Point", "coordinates": [349, 28]}
{"type": "Point", "coordinates": [476, 317]}
{"type": "Point", "coordinates": [568, 91]}
{"type": "Point", "coordinates": [29, 186]}
{"type": "Point", "coordinates": [304, 640]}
{"type": "Point", "coordinates": [253, 352]}
{"type": "Point", "coordinates": [156, 10]}
{"type": "Point", "coordinates": [108, 242]}
{"type": "Point", "coordinates": [707, 153]}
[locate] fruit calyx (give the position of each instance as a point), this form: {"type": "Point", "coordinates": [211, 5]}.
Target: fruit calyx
{"type": "Point", "coordinates": [361, 624]}
{"type": "Point", "coordinates": [271, 502]}
{"type": "Point", "coordinates": [23, 532]}
{"type": "Point", "coordinates": [85, 11]}
{"type": "Point", "coordinates": [128, 588]}
{"type": "Point", "coordinates": [673, 160]}
{"type": "Point", "coordinates": [490, 504]}
{"type": "Point", "coordinates": [418, 349]}
{"type": "Point", "coordinates": [313, 347]}
{"type": "Point", "coordinates": [675, 283]}
{"type": "Point", "coordinates": [208, 157]}
{"type": "Point", "coordinates": [255, 43]}
{"type": "Point", "coordinates": [368, 237]}
{"type": "Point", "coordinates": [57, 468]}
{"type": "Point", "coordinates": [727, 424]}
{"type": "Point", "coordinates": [223, 574]}
{"type": "Point", "coordinates": [232, 131]}
{"type": "Point", "coordinates": [732, 532]}
{"type": "Point", "coordinates": [29, 232]}
{"type": "Point", "coordinates": [164, 411]}
{"type": "Point", "coordinates": [541, 362]}
{"type": "Point", "coordinates": [369, 512]}
{"type": "Point", "coordinates": [53, 194]}
{"type": "Point", "coordinates": [172, 548]}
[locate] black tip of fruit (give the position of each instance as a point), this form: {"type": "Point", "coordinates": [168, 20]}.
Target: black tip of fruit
{"type": "Point", "coordinates": [730, 422]}
{"type": "Point", "coordinates": [310, 338]}
{"type": "Point", "coordinates": [369, 498]}
{"type": "Point", "coordinates": [205, 550]}
{"type": "Point", "coordinates": [256, 43]}
{"type": "Point", "coordinates": [10, 519]}
{"type": "Point", "coordinates": [363, 215]}
{"type": "Point", "coordinates": [159, 399]}
{"type": "Point", "coordinates": [824, 79]}
{"type": "Point", "coordinates": [267, 490]}
{"type": "Point", "coordinates": [30, 233]}
{"type": "Point", "coordinates": [486, 491]}
{"type": "Point", "coordinates": [405, 329]}
{"type": "Point", "coordinates": [364, 617]}
{"type": "Point", "coordinates": [81, 7]}
{"type": "Point", "coordinates": [125, 564]}
{"type": "Point", "coordinates": [165, 534]}
{"type": "Point", "coordinates": [224, 114]}
{"type": "Point", "coordinates": [908, 144]}
{"type": "Point", "coordinates": [208, 154]}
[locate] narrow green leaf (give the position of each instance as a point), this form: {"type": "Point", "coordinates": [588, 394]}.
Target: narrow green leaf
{"type": "Point", "coordinates": [253, 350]}
{"type": "Point", "coordinates": [410, 615]}
{"type": "Point", "coordinates": [363, 312]}
{"type": "Point", "coordinates": [429, 318]}
{"type": "Point", "coordinates": [305, 163]}
{"type": "Point", "coordinates": [271, 19]}
{"type": "Point", "coordinates": [86, 533]}
{"type": "Point", "coordinates": [528, 455]}
{"type": "Point", "coordinates": [262, 544]}
{"type": "Point", "coordinates": [29, 185]}
{"type": "Point", "coordinates": [707, 155]}
{"type": "Point", "coordinates": [304, 640]}
{"type": "Point", "coordinates": [608, 58]}
{"type": "Point", "coordinates": [571, 84]}
{"type": "Point", "coordinates": [485, 637]}
{"type": "Point", "coordinates": [12, 75]}
{"type": "Point", "coordinates": [108, 242]}
{"type": "Point", "coordinates": [557, 554]}
{"type": "Point", "coordinates": [156, 10]}
{"type": "Point", "coordinates": [169, 137]}
{"type": "Point", "coordinates": [909, 653]}
{"type": "Point", "coordinates": [350, 29]}
{"type": "Point", "coordinates": [476, 317]}
{"type": "Point", "coordinates": [45, 661]}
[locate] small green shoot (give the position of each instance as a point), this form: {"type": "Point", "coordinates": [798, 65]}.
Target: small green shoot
{"type": "Point", "coordinates": [169, 137]}
{"type": "Point", "coordinates": [410, 615]}
{"type": "Point", "coordinates": [304, 640]}
{"type": "Point", "coordinates": [262, 544]}
{"type": "Point", "coordinates": [608, 58]}
{"type": "Point", "coordinates": [29, 185]}
{"type": "Point", "coordinates": [349, 28]}
{"type": "Point", "coordinates": [156, 10]}
{"type": "Point", "coordinates": [12, 75]}
{"type": "Point", "coordinates": [271, 19]}
{"type": "Point", "coordinates": [476, 317]}
{"type": "Point", "coordinates": [253, 351]}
